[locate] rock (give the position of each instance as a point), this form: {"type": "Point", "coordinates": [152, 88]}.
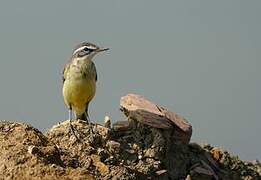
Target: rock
{"type": "Point", "coordinates": [137, 108]}
{"type": "Point", "coordinates": [227, 166]}
{"type": "Point", "coordinates": [212, 163]}
{"type": "Point", "coordinates": [208, 167]}
{"type": "Point", "coordinates": [113, 146]}
{"type": "Point", "coordinates": [140, 148]}
{"type": "Point", "coordinates": [161, 172]}
{"type": "Point", "coordinates": [140, 157]}
{"type": "Point", "coordinates": [121, 126]}
{"type": "Point", "coordinates": [107, 122]}
{"type": "Point", "coordinates": [200, 171]}
{"type": "Point", "coordinates": [188, 177]}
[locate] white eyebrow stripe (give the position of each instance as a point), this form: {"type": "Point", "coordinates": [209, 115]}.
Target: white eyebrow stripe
{"type": "Point", "coordinates": [81, 48]}
{"type": "Point", "coordinates": [91, 47]}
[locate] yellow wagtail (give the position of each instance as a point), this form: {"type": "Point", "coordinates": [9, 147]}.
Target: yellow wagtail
{"type": "Point", "coordinates": [79, 80]}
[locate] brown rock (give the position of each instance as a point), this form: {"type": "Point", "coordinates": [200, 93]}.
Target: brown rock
{"type": "Point", "coordinates": [121, 126]}
{"type": "Point", "coordinates": [138, 108]}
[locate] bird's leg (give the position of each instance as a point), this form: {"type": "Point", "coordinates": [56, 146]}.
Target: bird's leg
{"type": "Point", "coordinates": [86, 114]}
{"type": "Point", "coordinates": [70, 122]}
{"type": "Point", "coordinates": [70, 118]}
{"type": "Point", "coordinates": [87, 117]}
{"type": "Point", "coordinates": [88, 121]}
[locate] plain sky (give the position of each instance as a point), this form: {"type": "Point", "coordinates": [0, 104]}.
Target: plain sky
{"type": "Point", "coordinates": [199, 59]}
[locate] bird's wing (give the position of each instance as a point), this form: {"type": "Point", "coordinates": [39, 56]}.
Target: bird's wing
{"type": "Point", "coordinates": [94, 71]}
{"type": "Point", "coordinates": [65, 71]}
{"type": "Point", "coordinates": [96, 76]}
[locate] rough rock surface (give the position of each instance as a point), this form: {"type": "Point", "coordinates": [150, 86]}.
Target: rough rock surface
{"type": "Point", "coordinates": [139, 109]}
{"type": "Point", "coordinates": [132, 150]}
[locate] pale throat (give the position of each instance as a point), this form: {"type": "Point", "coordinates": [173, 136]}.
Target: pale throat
{"type": "Point", "coordinates": [81, 60]}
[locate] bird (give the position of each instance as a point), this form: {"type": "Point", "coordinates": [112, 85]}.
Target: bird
{"type": "Point", "coordinates": [79, 80]}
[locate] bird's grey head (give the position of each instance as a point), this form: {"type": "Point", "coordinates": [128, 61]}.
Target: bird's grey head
{"type": "Point", "coordinates": [87, 50]}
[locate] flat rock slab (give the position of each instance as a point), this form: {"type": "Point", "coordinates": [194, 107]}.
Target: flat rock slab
{"type": "Point", "coordinates": [146, 112]}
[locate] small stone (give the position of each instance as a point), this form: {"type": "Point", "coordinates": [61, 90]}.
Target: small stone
{"type": "Point", "coordinates": [140, 157]}
{"type": "Point", "coordinates": [188, 177]}
{"type": "Point", "coordinates": [131, 151]}
{"type": "Point", "coordinates": [107, 122]}
{"type": "Point", "coordinates": [121, 126]}
{"type": "Point", "coordinates": [160, 172]}
{"type": "Point", "coordinates": [113, 146]}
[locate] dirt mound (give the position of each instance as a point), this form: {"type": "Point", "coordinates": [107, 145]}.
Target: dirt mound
{"type": "Point", "coordinates": [139, 148]}
{"type": "Point", "coordinates": [102, 153]}
{"type": "Point", "coordinates": [27, 154]}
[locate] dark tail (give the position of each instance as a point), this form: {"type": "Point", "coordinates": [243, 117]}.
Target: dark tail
{"type": "Point", "coordinates": [85, 115]}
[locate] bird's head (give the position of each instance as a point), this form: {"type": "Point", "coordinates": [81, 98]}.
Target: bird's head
{"type": "Point", "coordinates": [87, 50]}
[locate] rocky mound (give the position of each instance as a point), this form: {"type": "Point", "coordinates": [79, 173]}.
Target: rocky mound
{"type": "Point", "coordinates": [152, 144]}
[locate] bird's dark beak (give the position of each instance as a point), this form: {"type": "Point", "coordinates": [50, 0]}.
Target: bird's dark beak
{"type": "Point", "coordinates": [102, 49]}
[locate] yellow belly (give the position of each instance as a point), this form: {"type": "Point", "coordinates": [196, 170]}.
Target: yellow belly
{"type": "Point", "coordinates": [77, 93]}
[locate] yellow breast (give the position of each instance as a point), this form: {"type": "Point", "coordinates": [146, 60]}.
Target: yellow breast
{"type": "Point", "coordinates": [78, 92]}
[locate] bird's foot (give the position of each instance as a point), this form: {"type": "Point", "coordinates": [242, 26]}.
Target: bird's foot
{"type": "Point", "coordinates": [73, 131]}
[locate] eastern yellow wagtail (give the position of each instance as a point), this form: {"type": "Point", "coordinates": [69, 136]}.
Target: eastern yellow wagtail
{"type": "Point", "coordinates": [79, 80]}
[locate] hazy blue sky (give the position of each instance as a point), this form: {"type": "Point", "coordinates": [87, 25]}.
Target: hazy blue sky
{"type": "Point", "coordinates": [197, 58]}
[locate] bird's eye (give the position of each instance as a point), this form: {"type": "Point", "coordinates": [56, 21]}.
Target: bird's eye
{"type": "Point", "coordinates": [86, 49]}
